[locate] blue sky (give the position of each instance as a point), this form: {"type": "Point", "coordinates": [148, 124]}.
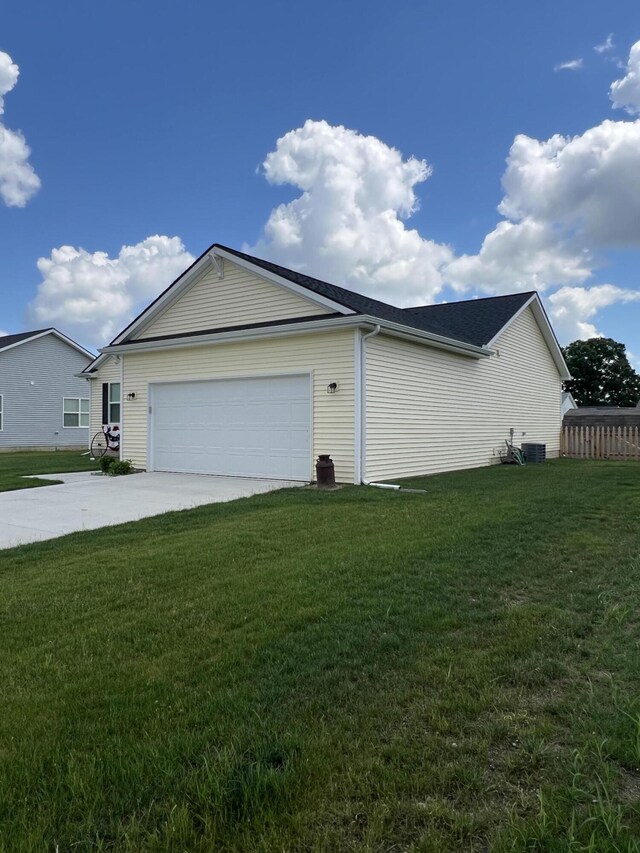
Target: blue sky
{"type": "Point", "coordinates": [196, 121]}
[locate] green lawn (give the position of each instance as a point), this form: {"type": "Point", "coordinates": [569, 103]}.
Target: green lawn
{"type": "Point", "coordinates": [15, 466]}
{"type": "Point", "coordinates": [353, 670]}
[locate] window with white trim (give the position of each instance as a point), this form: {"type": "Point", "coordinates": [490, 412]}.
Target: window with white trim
{"type": "Point", "coordinates": [114, 402]}
{"type": "Point", "coordinates": [75, 412]}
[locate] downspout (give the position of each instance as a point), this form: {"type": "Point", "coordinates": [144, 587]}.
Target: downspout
{"type": "Point", "coordinates": [121, 359]}
{"type": "Point", "coordinates": [361, 379]}
{"type": "Point", "coordinates": [363, 404]}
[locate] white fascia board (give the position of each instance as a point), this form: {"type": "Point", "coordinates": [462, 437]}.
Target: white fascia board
{"type": "Point", "coordinates": [547, 333]}
{"type": "Point", "coordinates": [178, 342]}
{"type": "Point", "coordinates": [331, 323]}
{"type": "Point", "coordinates": [188, 278]}
{"type": "Point", "coordinates": [57, 334]}
{"type": "Point", "coordinates": [192, 275]}
{"type": "Point", "coordinates": [94, 365]}
{"type": "Point", "coordinates": [73, 344]}
{"type": "Point", "coordinates": [25, 341]}
{"type": "Point", "coordinates": [304, 292]}
{"type": "Point", "coordinates": [550, 337]}
{"type": "Point", "coordinates": [512, 320]}
{"type": "Point", "coordinates": [429, 339]}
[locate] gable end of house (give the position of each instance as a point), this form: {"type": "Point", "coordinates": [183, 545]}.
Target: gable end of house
{"type": "Point", "coordinates": [221, 290]}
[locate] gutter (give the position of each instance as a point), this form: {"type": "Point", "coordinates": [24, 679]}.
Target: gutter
{"type": "Point", "coordinates": [350, 321]}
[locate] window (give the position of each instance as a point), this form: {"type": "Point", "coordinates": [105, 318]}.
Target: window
{"type": "Point", "coordinates": [114, 402]}
{"type": "Point", "coordinates": [1, 413]}
{"type": "Point", "coordinates": [75, 412]}
{"type": "Point", "coordinates": [111, 409]}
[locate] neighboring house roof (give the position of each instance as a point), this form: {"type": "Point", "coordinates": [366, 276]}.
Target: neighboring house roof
{"type": "Point", "coordinates": [9, 341]}
{"type": "Point", "coordinates": [602, 416]}
{"type": "Point", "coordinates": [471, 325]}
{"type": "Point", "coordinates": [604, 411]}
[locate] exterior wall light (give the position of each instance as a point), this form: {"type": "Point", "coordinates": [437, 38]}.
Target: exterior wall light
{"type": "Point", "coordinates": [332, 387]}
{"type": "Point", "coordinates": [131, 395]}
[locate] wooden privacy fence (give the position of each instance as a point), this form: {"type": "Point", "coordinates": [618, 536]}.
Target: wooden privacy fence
{"type": "Point", "coordinates": [601, 442]}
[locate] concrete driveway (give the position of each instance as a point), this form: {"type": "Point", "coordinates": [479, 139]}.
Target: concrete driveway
{"type": "Point", "coordinates": [87, 501]}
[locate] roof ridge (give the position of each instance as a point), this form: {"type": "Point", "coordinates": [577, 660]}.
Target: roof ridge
{"type": "Point", "coordinates": [467, 301]}
{"type": "Point", "coordinates": [451, 320]}
{"type": "Point", "coordinates": [254, 259]}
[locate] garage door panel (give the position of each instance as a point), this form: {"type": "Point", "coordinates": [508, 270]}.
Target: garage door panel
{"type": "Point", "coordinates": [257, 427]}
{"type": "Point", "coordinates": [284, 440]}
{"type": "Point", "coordinates": [299, 413]}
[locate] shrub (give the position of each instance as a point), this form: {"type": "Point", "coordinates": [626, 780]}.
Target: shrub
{"type": "Point", "coordinates": [120, 466]}
{"type": "Point", "coordinates": [106, 462]}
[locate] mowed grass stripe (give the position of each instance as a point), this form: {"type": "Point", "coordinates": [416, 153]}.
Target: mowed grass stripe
{"type": "Point", "coordinates": [358, 670]}
{"type": "Point", "coordinates": [14, 467]}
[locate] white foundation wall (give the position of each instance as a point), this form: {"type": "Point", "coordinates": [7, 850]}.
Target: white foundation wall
{"type": "Point", "coordinates": [429, 411]}
{"type": "Point", "coordinates": [328, 356]}
{"type": "Point", "coordinates": [238, 298]}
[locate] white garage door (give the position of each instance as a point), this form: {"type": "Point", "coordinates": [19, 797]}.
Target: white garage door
{"type": "Point", "coordinates": [233, 427]}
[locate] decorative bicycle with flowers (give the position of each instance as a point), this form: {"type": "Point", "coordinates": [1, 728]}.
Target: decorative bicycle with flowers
{"type": "Point", "coordinates": [106, 440]}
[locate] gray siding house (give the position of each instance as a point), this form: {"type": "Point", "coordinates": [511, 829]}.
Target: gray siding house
{"type": "Point", "coordinates": [43, 403]}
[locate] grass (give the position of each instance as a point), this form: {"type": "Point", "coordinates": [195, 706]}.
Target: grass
{"type": "Point", "coordinates": [15, 466]}
{"type": "Point", "coordinates": [356, 670]}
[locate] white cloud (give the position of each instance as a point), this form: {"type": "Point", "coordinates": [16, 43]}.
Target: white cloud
{"type": "Point", "coordinates": [606, 45]}
{"type": "Point", "coordinates": [572, 309]}
{"type": "Point", "coordinates": [625, 93]}
{"type": "Point", "coordinates": [9, 73]}
{"type": "Point", "coordinates": [18, 181]}
{"type": "Point", "coordinates": [571, 65]}
{"type": "Point", "coordinates": [565, 198]}
{"type": "Point", "coordinates": [634, 360]}
{"type": "Point", "coordinates": [347, 223]}
{"type": "Point", "coordinates": [588, 183]}
{"type": "Point", "coordinates": [92, 297]}
{"type": "Point", "coordinates": [519, 256]}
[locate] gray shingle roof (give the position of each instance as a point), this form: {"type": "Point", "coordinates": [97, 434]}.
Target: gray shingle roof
{"type": "Point", "coordinates": [602, 411]}
{"type": "Point", "coordinates": [355, 301]}
{"type": "Point", "coordinates": [610, 416]}
{"type": "Point", "coordinates": [476, 321]}
{"type": "Point", "coordinates": [9, 340]}
{"type": "Point", "coordinates": [218, 330]}
{"type": "Point", "coordinates": [473, 321]}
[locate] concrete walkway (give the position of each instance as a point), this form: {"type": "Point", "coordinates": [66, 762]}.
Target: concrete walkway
{"type": "Point", "coordinates": [86, 501]}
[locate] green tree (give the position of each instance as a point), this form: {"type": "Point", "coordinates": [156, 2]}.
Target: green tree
{"type": "Point", "coordinates": [602, 375]}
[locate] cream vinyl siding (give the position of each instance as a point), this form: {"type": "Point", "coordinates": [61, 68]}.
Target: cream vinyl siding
{"type": "Point", "coordinates": [109, 371]}
{"type": "Point", "coordinates": [329, 356]}
{"type": "Point", "coordinates": [429, 411]}
{"type": "Point", "coordinates": [238, 299]}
